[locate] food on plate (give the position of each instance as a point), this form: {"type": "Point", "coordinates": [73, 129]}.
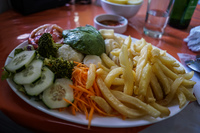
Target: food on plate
{"type": "Point", "coordinates": [128, 75]}
{"type": "Point", "coordinates": [30, 74]}
{"type": "Point", "coordinates": [61, 68]}
{"type": "Point", "coordinates": [126, 79]}
{"type": "Point", "coordinates": [55, 95]}
{"type": "Point", "coordinates": [91, 76]}
{"type": "Point", "coordinates": [82, 96]}
{"type": "Point", "coordinates": [45, 81]}
{"type": "Point", "coordinates": [116, 104]}
{"type": "Point", "coordinates": [20, 61]}
{"type": "Point", "coordinates": [102, 104]}
{"type": "Point", "coordinates": [53, 29]}
{"type": "Point", "coordinates": [92, 59]}
{"type": "Point", "coordinates": [46, 46]}
{"type": "Point", "coordinates": [107, 33]}
{"type": "Point", "coordinates": [68, 53]}
{"type": "Point", "coordinates": [86, 40]}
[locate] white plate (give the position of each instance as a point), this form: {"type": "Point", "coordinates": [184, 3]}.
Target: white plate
{"type": "Point", "coordinates": [99, 121]}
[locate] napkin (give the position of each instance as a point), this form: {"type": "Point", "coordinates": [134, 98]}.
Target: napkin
{"type": "Point", "coordinates": [183, 57]}
{"type": "Point", "coordinates": [193, 40]}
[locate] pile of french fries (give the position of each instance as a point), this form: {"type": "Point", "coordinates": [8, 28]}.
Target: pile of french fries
{"type": "Point", "coordinates": [137, 79]}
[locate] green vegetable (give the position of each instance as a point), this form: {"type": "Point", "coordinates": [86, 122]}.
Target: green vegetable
{"type": "Point", "coordinates": [53, 97]}
{"type": "Point", "coordinates": [20, 61]}
{"type": "Point", "coordinates": [46, 80]}
{"type": "Point", "coordinates": [29, 75]}
{"type": "Point", "coordinates": [46, 46]}
{"type": "Point", "coordinates": [6, 74]}
{"type": "Point", "coordinates": [86, 40]}
{"type": "Point", "coordinates": [61, 68]}
{"type": "Point", "coordinates": [17, 51]}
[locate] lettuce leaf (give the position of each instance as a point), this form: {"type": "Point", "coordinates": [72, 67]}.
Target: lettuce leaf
{"type": "Point", "coordinates": [86, 40]}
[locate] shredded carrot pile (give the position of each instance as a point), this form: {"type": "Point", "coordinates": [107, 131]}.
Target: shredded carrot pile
{"type": "Point", "coordinates": [82, 101]}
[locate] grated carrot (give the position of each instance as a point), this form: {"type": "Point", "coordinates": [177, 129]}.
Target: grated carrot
{"type": "Point", "coordinates": [71, 103]}
{"type": "Point", "coordinates": [82, 101]}
{"type": "Point", "coordinates": [90, 116]}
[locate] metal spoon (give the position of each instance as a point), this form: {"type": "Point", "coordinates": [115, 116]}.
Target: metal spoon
{"type": "Point", "coordinates": [194, 64]}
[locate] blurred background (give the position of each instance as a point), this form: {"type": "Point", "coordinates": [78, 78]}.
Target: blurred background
{"type": "Point", "coordinates": [4, 5]}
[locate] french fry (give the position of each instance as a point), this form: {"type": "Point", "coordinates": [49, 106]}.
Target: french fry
{"type": "Point", "coordinates": [173, 75]}
{"type": "Point", "coordinates": [119, 39]}
{"type": "Point", "coordinates": [136, 102]}
{"type": "Point", "coordinates": [164, 110]}
{"type": "Point", "coordinates": [118, 81]}
{"type": "Point", "coordinates": [140, 44]}
{"type": "Point", "coordinates": [113, 67]}
{"type": "Point", "coordinates": [181, 98]}
{"type": "Point", "coordinates": [91, 76]}
{"type": "Point", "coordinates": [166, 60]}
{"type": "Point", "coordinates": [127, 71]}
{"type": "Point", "coordinates": [161, 77]}
{"type": "Point", "coordinates": [101, 73]}
{"type": "Point", "coordinates": [115, 103]}
{"type": "Point", "coordinates": [103, 67]}
{"type": "Point", "coordinates": [107, 33]}
{"type": "Point", "coordinates": [132, 48]}
{"type": "Point", "coordinates": [145, 54]}
{"type": "Point", "coordinates": [166, 70]}
{"type": "Point", "coordinates": [149, 95]}
{"type": "Point", "coordinates": [107, 60]}
{"type": "Point", "coordinates": [178, 70]}
{"type": "Point", "coordinates": [102, 104]}
{"type": "Point", "coordinates": [128, 41]}
{"type": "Point", "coordinates": [145, 80]}
{"type": "Point", "coordinates": [174, 86]}
{"type": "Point", "coordinates": [116, 51]}
{"type": "Point", "coordinates": [157, 90]}
{"type": "Point", "coordinates": [188, 75]}
{"type": "Point", "coordinates": [188, 83]}
{"type": "Point", "coordinates": [135, 61]}
{"type": "Point", "coordinates": [155, 52]}
{"type": "Point", "coordinates": [112, 75]}
{"type": "Point", "coordinates": [189, 95]}
{"type": "Point", "coordinates": [111, 44]}
{"type": "Point", "coordinates": [141, 97]}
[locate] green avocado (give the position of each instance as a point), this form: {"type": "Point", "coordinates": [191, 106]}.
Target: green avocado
{"type": "Point", "coordinates": [86, 40]}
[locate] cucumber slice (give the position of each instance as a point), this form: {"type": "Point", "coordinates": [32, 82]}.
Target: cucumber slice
{"type": "Point", "coordinates": [29, 75]}
{"type": "Point", "coordinates": [53, 97]}
{"type": "Point", "coordinates": [20, 61]}
{"type": "Point", "coordinates": [47, 78]}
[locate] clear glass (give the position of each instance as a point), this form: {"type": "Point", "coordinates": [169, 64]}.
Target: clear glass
{"type": "Point", "coordinates": [157, 16]}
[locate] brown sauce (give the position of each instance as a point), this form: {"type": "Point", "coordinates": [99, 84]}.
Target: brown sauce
{"type": "Point", "coordinates": [110, 23]}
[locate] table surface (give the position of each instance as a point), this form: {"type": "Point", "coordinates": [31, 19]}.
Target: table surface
{"type": "Point", "coordinates": [13, 26]}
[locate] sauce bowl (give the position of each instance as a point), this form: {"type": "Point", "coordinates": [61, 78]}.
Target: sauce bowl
{"type": "Point", "coordinates": [110, 21]}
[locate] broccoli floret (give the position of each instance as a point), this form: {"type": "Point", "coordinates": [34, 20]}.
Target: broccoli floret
{"type": "Point", "coordinates": [47, 47]}
{"type": "Point", "coordinates": [61, 68]}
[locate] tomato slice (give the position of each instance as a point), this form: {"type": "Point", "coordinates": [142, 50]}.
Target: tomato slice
{"type": "Point", "coordinates": [53, 29]}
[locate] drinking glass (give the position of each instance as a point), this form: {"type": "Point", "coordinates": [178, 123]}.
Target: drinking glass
{"type": "Point", "coordinates": [157, 16]}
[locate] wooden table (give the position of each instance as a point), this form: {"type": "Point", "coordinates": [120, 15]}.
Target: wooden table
{"type": "Point", "coordinates": [13, 26]}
